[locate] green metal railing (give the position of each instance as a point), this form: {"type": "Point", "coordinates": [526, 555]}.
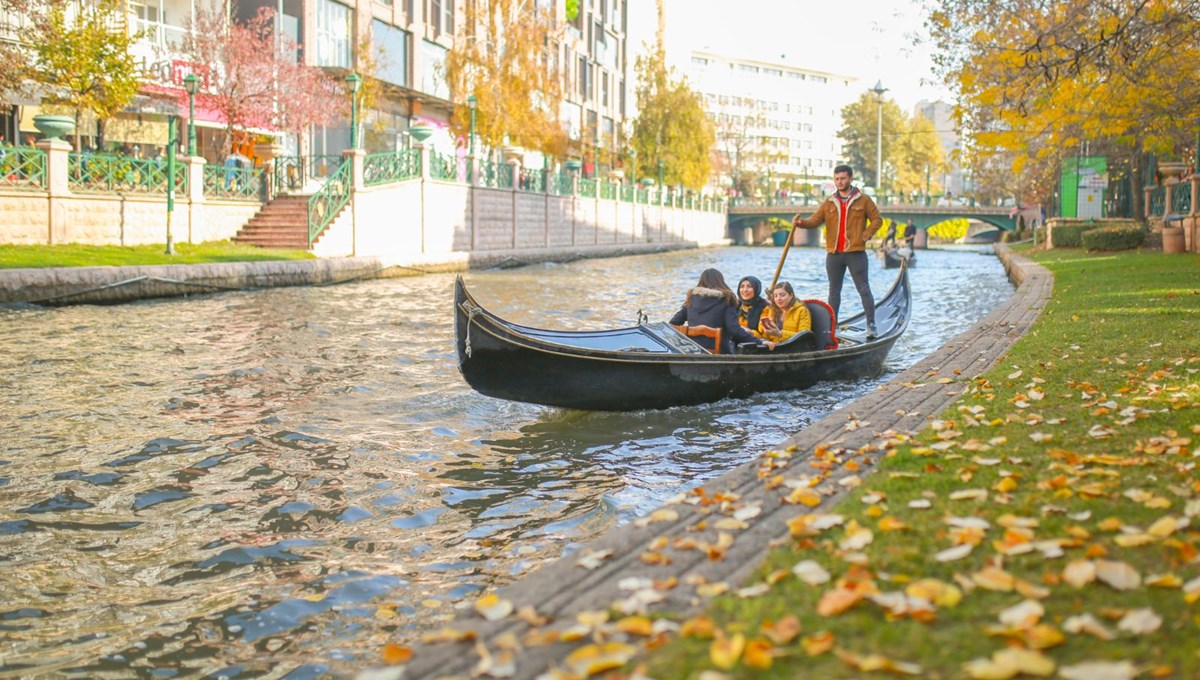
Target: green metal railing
{"type": "Point", "coordinates": [383, 168]}
{"type": "Point", "coordinates": [443, 167]}
{"type": "Point", "coordinates": [627, 194]}
{"type": "Point", "coordinates": [562, 184]}
{"type": "Point", "coordinates": [608, 191]}
{"type": "Point", "coordinates": [1181, 198]}
{"type": "Point", "coordinates": [238, 184]}
{"type": "Point", "coordinates": [532, 180]}
{"type": "Point", "coordinates": [587, 187]}
{"type": "Point", "coordinates": [291, 172]}
{"type": "Point", "coordinates": [98, 173]}
{"type": "Point", "coordinates": [325, 205]}
{"type": "Point", "coordinates": [643, 196]}
{"type": "Point", "coordinates": [22, 168]}
{"type": "Point", "coordinates": [1158, 199]}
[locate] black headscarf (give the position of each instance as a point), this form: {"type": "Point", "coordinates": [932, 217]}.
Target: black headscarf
{"type": "Point", "coordinates": [750, 312]}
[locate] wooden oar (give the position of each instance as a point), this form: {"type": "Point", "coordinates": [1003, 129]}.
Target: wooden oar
{"type": "Point", "coordinates": [787, 246]}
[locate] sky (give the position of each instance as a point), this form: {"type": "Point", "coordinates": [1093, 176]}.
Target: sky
{"type": "Point", "coordinates": [873, 40]}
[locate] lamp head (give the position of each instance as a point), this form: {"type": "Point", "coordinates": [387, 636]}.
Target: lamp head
{"type": "Point", "coordinates": [471, 101]}
{"type": "Point", "coordinates": [879, 89]}
{"type": "Point", "coordinates": [191, 83]}
{"type": "Point", "coordinates": [633, 153]}
{"type": "Point", "coordinates": [354, 80]}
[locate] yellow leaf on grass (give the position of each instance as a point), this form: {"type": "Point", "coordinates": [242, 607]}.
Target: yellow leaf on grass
{"type": "Point", "coordinates": [810, 572]}
{"type": "Point", "coordinates": [759, 654]}
{"type": "Point", "coordinates": [394, 654]}
{"type": "Point", "coordinates": [837, 600]}
{"type": "Point", "coordinates": [1118, 575]}
{"type": "Point", "coordinates": [940, 593]}
{"type": "Point", "coordinates": [698, 627]}
{"type": "Point", "coordinates": [877, 662]}
{"type": "Point", "coordinates": [591, 659]}
{"type": "Point", "coordinates": [1026, 614]}
{"type": "Point", "coordinates": [804, 497]}
{"type": "Point", "coordinates": [1044, 636]}
{"type": "Point", "coordinates": [725, 651]}
{"type": "Point", "coordinates": [783, 632]}
{"type": "Point", "coordinates": [994, 578]}
{"type": "Point", "coordinates": [635, 625]}
{"type": "Point", "coordinates": [817, 644]}
{"type": "Point", "coordinates": [1079, 573]}
{"type": "Point", "coordinates": [890, 523]}
{"type": "Point", "coordinates": [1006, 485]}
{"type": "Point", "coordinates": [1099, 670]}
{"type": "Point", "coordinates": [1086, 623]}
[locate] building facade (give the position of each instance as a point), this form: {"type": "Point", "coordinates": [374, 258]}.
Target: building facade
{"type": "Point", "coordinates": [941, 115]}
{"type": "Point", "coordinates": [401, 44]}
{"type": "Point", "coordinates": [781, 119]}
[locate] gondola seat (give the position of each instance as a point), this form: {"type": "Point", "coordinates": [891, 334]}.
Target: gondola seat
{"type": "Point", "coordinates": [824, 325]}
{"type": "Point", "coordinates": [702, 332]}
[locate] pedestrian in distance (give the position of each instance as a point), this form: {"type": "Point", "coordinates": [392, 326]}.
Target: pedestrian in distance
{"type": "Point", "coordinates": [850, 219]}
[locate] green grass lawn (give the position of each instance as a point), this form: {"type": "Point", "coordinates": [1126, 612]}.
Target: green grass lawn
{"type": "Point", "coordinates": [1084, 440]}
{"type": "Point", "coordinates": [76, 255]}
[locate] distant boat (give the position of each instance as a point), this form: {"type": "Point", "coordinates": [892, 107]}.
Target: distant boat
{"type": "Point", "coordinates": [894, 256]}
{"type": "Point", "coordinates": [653, 365]}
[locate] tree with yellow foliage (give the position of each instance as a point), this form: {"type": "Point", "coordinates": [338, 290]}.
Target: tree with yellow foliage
{"type": "Point", "coordinates": [1040, 81]}
{"type": "Point", "coordinates": [506, 55]}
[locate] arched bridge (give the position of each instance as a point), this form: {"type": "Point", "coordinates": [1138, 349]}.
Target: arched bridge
{"type": "Point", "coordinates": [749, 212]}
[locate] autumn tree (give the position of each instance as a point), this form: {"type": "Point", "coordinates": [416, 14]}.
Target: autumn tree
{"type": "Point", "coordinates": [82, 55]}
{"type": "Point", "coordinates": [910, 144]}
{"type": "Point", "coordinates": [506, 55]}
{"type": "Point", "coordinates": [254, 79]}
{"type": "Point", "coordinates": [14, 59]}
{"type": "Point", "coordinates": [1042, 81]}
{"type": "Point", "coordinates": [671, 124]}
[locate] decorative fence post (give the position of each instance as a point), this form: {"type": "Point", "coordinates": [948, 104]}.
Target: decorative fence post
{"type": "Point", "coordinates": [514, 165]}
{"type": "Point", "coordinates": [194, 167]}
{"type": "Point", "coordinates": [57, 184]}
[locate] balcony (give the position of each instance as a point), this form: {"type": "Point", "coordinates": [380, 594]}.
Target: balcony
{"type": "Point", "coordinates": [154, 40]}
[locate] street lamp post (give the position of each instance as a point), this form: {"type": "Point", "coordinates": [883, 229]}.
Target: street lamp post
{"type": "Point", "coordinates": [191, 83]}
{"type": "Point", "coordinates": [927, 185]}
{"type": "Point", "coordinates": [354, 80]}
{"type": "Point", "coordinates": [471, 102]}
{"type": "Point", "coordinates": [879, 89]}
{"type": "Point", "coordinates": [596, 157]}
{"type": "Point", "coordinates": [633, 170]}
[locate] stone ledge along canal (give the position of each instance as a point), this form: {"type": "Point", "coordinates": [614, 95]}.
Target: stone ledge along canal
{"type": "Point", "coordinates": [278, 483]}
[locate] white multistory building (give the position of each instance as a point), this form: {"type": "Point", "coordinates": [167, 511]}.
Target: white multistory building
{"type": "Point", "coordinates": [789, 116]}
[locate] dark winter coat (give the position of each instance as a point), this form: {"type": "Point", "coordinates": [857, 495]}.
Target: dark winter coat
{"type": "Point", "coordinates": [709, 308]}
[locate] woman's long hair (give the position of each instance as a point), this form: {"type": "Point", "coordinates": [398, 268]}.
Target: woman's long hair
{"type": "Point", "coordinates": [776, 312]}
{"type": "Point", "coordinates": [711, 278]}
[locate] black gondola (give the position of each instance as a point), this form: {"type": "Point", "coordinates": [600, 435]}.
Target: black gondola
{"type": "Point", "coordinates": [652, 365]}
{"type": "Point", "coordinates": [894, 256]}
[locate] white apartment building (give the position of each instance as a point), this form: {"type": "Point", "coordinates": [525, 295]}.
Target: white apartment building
{"type": "Point", "coordinates": [792, 113]}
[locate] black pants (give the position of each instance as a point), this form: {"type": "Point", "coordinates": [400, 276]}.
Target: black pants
{"type": "Point", "coordinates": [836, 265]}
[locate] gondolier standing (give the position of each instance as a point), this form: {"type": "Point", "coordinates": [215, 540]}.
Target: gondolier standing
{"type": "Point", "coordinates": [850, 218]}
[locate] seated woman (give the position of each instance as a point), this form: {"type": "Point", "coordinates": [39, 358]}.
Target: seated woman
{"type": "Point", "coordinates": [787, 315]}
{"type": "Point", "coordinates": [712, 304]}
{"type": "Point", "coordinates": [752, 305]}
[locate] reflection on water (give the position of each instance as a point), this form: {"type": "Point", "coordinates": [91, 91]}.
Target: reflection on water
{"type": "Point", "coordinates": [283, 481]}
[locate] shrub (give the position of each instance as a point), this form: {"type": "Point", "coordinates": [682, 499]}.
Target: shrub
{"type": "Point", "coordinates": [1069, 235]}
{"type": "Point", "coordinates": [1119, 237]}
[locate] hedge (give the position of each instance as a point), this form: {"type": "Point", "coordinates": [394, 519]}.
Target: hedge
{"type": "Point", "coordinates": [1119, 237]}
{"type": "Point", "coordinates": [1070, 235]}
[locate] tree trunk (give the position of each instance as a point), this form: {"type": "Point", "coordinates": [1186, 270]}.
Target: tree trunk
{"type": "Point", "coordinates": [1137, 198]}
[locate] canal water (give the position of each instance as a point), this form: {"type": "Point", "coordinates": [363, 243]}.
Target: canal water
{"type": "Point", "coordinates": [278, 483]}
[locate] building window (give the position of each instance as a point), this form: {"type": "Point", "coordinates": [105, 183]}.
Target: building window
{"type": "Point", "coordinates": [582, 80]}
{"type": "Point", "coordinates": [439, 15]}
{"type": "Point", "coordinates": [333, 34]}
{"type": "Point", "coordinates": [391, 53]}
{"type": "Point", "coordinates": [604, 89]}
{"type": "Point", "coordinates": [700, 61]}
{"type": "Point", "coordinates": [433, 65]}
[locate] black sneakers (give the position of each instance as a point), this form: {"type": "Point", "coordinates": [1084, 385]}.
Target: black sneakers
{"type": "Point", "coordinates": [871, 334]}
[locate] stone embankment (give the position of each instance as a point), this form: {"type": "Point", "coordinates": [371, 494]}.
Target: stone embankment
{"type": "Point", "coordinates": [562, 589]}
{"type": "Point", "coordinates": [112, 285]}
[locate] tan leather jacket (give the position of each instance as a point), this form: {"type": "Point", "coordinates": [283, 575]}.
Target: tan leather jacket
{"type": "Point", "coordinates": [862, 221]}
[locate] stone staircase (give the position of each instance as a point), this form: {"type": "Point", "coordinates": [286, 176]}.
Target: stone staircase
{"type": "Point", "coordinates": [282, 223]}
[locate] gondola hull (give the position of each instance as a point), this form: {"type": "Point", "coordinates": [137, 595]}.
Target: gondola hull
{"type": "Point", "coordinates": [652, 366]}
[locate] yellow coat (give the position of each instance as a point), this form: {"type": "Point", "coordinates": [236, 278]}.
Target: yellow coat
{"type": "Point", "coordinates": [795, 320]}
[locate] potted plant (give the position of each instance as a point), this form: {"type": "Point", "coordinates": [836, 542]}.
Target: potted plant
{"type": "Point", "coordinates": [573, 164]}
{"type": "Point", "coordinates": [54, 125]}
{"type": "Point", "coordinates": [420, 131]}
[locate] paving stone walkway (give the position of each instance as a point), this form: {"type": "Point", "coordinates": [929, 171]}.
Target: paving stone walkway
{"type": "Point", "coordinates": [562, 589]}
